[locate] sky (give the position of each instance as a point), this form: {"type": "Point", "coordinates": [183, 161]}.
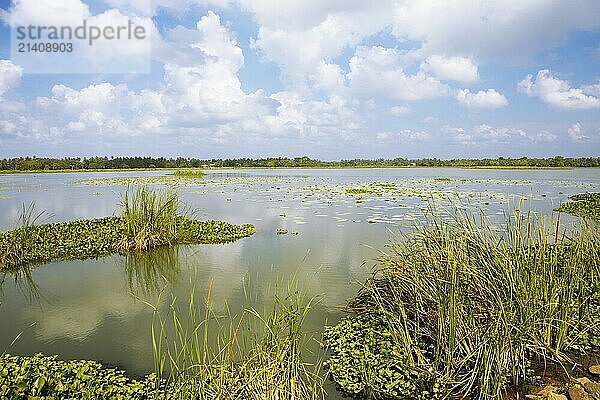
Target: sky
{"type": "Point", "coordinates": [330, 79]}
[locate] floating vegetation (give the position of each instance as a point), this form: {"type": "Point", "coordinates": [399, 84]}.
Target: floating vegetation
{"type": "Point", "coordinates": [459, 310]}
{"type": "Point", "coordinates": [257, 355]}
{"type": "Point", "coordinates": [442, 180]}
{"type": "Point", "coordinates": [100, 237]}
{"type": "Point", "coordinates": [361, 191]}
{"type": "Point", "coordinates": [584, 205]}
{"type": "Point", "coordinates": [189, 173]}
{"type": "Point", "coordinates": [149, 219]}
{"type": "Point", "coordinates": [40, 377]}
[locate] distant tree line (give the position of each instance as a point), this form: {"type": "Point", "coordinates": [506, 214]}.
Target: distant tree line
{"type": "Point", "coordinates": [94, 163]}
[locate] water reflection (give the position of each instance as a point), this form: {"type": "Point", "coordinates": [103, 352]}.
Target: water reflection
{"type": "Point", "coordinates": [96, 309]}
{"type": "Point", "coordinates": [24, 282]}
{"type": "Point", "coordinates": [148, 272]}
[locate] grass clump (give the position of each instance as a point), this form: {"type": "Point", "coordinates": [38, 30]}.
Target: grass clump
{"type": "Point", "coordinates": [202, 354]}
{"type": "Point", "coordinates": [148, 220]}
{"type": "Point", "coordinates": [584, 205]}
{"type": "Point", "coordinates": [458, 308]}
{"type": "Point", "coordinates": [189, 173]}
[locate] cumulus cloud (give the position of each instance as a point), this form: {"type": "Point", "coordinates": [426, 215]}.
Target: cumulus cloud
{"type": "Point", "coordinates": [199, 101]}
{"type": "Point", "coordinates": [492, 29]}
{"type": "Point", "coordinates": [376, 71]}
{"type": "Point", "coordinates": [457, 135]}
{"type": "Point", "coordinates": [494, 134]}
{"type": "Point", "coordinates": [545, 136]}
{"type": "Point", "coordinates": [458, 69]}
{"type": "Point", "coordinates": [10, 76]}
{"type": "Point", "coordinates": [488, 99]}
{"type": "Point", "coordinates": [400, 110]}
{"type": "Point", "coordinates": [559, 93]}
{"type": "Point", "coordinates": [119, 55]}
{"type": "Point", "coordinates": [414, 136]}
{"type": "Point", "coordinates": [151, 7]}
{"type": "Point", "coordinates": [299, 35]}
{"type": "Point", "coordinates": [575, 132]}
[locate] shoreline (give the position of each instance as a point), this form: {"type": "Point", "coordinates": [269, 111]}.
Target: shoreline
{"type": "Point", "coordinates": [208, 170]}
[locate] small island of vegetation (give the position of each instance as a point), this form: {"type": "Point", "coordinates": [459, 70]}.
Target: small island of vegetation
{"type": "Point", "coordinates": [148, 219]}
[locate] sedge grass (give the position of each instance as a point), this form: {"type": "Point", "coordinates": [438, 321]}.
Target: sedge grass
{"type": "Point", "coordinates": [149, 218]}
{"type": "Point", "coordinates": [203, 354]}
{"type": "Point", "coordinates": [458, 308]}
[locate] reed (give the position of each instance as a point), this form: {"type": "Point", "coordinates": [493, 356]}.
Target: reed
{"type": "Point", "coordinates": [149, 218]}
{"type": "Point", "coordinates": [461, 308]}
{"type": "Point", "coordinates": [202, 354]}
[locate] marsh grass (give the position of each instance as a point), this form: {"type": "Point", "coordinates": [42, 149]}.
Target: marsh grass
{"type": "Point", "coordinates": [478, 307]}
{"type": "Point", "coordinates": [203, 354]}
{"type": "Point", "coordinates": [23, 234]}
{"type": "Point", "coordinates": [149, 218]}
{"type": "Point", "coordinates": [189, 173]}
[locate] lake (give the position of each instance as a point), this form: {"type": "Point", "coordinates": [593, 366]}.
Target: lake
{"type": "Point", "coordinates": [337, 222]}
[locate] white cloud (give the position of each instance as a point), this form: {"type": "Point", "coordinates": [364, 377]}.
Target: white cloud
{"type": "Point", "coordinates": [458, 69]}
{"type": "Point", "coordinates": [123, 55]}
{"type": "Point", "coordinates": [150, 7]}
{"type": "Point", "coordinates": [488, 99]}
{"type": "Point", "coordinates": [490, 133]}
{"type": "Point", "coordinates": [299, 35]}
{"type": "Point", "coordinates": [493, 29]}
{"type": "Point", "coordinates": [545, 136]}
{"type": "Point", "coordinates": [10, 76]}
{"type": "Point", "coordinates": [200, 101]}
{"type": "Point", "coordinates": [458, 135]}
{"type": "Point", "coordinates": [384, 135]}
{"type": "Point", "coordinates": [377, 72]}
{"type": "Point", "coordinates": [559, 93]}
{"type": "Point", "coordinates": [414, 136]}
{"type": "Point", "coordinates": [575, 132]}
{"type": "Point", "coordinates": [400, 110]}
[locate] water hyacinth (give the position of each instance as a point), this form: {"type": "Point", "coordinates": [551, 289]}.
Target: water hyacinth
{"type": "Point", "coordinates": [460, 309]}
{"type": "Point", "coordinates": [148, 220]}
{"type": "Point", "coordinates": [584, 205]}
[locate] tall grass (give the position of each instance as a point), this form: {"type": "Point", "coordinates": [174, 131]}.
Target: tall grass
{"type": "Point", "coordinates": [12, 252]}
{"type": "Point", "coordinates": [149, 218]}
{"type": "Point", "coordinates": [202, 354]}
{"type": "Point", "coordinates": [482, 307]}
{"type": "Point", "coordinates": [189, 173]}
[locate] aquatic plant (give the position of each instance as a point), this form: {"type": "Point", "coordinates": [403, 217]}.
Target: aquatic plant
{"type": "Point", "coordinates": [189, 173]}
{"type": "Point", "coordinates": [584, 205]}
{"type": "Point", "coordinates": [202, 354]}
{"type": "Point", "coordinates": [41, 377]}
{"type": "Point", "coordinates": [459, 308]}
{"type": "Point", "coordinates": [149, 219]}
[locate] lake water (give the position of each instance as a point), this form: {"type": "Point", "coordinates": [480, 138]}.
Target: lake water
{"type": "Point", "coordinates": [337, 221]}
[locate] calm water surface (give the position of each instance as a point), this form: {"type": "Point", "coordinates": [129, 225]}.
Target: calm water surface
{"type": "Point", "coordinates": [93, 309]}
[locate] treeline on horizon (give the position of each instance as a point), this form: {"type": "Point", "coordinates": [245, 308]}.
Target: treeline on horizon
{"type": "Point", "coordinates": [95, 163]}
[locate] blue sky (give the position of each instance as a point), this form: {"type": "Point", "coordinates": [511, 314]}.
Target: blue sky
{"type": "Point", "coordinates": [330, 79]}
